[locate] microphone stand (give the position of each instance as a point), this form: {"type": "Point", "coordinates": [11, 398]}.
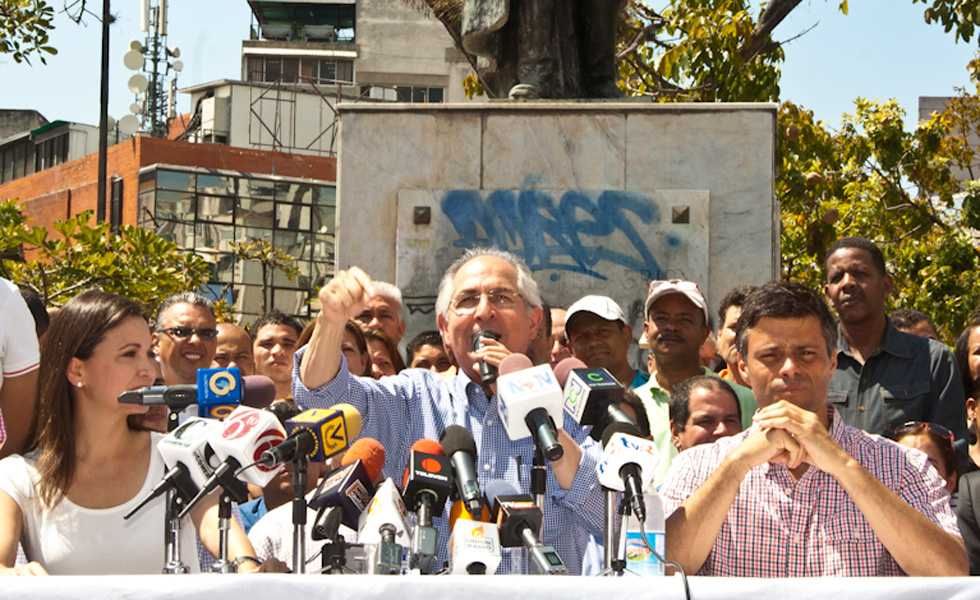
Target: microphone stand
{"type": "Point", "coordinates": [609, 521]}
{"type": "Point", "coordinates": [231, 490]}
{"type": "Point", "coordinates": [299, 514]}
{"type": "Point", "coordinates": [616, 564]}
{"type": "Point", "coordinates": [172, 565]}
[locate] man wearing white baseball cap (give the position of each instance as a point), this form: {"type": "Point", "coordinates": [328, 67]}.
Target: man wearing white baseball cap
{"type": "Point", "coordinates": [599, 336]}
{"type": "Point", "coordinates": [676, 326]}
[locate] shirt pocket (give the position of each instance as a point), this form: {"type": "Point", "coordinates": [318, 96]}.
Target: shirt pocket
{"type": "Point", "coordinates": [837, 397]}
{"type": "Point", "coordinates": [906, 402]}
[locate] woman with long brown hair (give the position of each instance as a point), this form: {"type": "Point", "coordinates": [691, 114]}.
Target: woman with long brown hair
{"type": "Point", "coordinates": [84, 468]}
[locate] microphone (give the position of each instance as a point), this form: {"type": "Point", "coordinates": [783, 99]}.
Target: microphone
{"type": "Point", "coordinates": [427, 484]}
{"type": "Point", "coordinates": [519, 521]}
{"type": "Point", "coordinates": [628, 465]}
{"type": "Point", "coordinates": [385, 524]}
{"type": "Point", "coordinates": [317, 434]}
{"type": "Point", "coordinates": [257, 391]}
{"type": "Point", "coordinates": [488, 374]}
{"type": "Point", "coordinates": [348, 489]}
{"type": "Point", "coordinates": [459, 445]}
{"type": "Point", "coordinates": [242, 439]}
{"type": "Point", "coordinates": [474, 548]}
{"type": "Point", "coordinates": [592, 397]}
{"type": "Point", "coordinates": [188, 445]}
{"type": "Point", "coordinates": [530, 403]}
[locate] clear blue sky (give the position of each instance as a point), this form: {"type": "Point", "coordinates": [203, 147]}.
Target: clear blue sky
{"type": "Point", "coordinates": [882, 49]}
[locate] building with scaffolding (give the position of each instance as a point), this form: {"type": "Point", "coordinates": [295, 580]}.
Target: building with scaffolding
{"type": "Point", "coordinates": [302, 58]}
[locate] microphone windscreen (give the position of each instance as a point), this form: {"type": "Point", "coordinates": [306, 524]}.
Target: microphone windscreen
{"type": "Point", "coordinates": [352, 420]}
{"type": "Point", "coordinates": [258, 391]}
{"type": "Point", "coordinates": [513, 363]}
{"type": "Point", "coordinates": [428, 446]}
{"type": "Point", "coordinates": [497, 488]}
{"type": "Point", "coordinates": [371, 454]}
{"type": "Point", "coordinates": [457, 439]}
{"type": "Point", "coordinates": [563, 368]}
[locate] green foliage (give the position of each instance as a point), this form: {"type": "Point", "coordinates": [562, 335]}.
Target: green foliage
{"type": "Point", "coordinates": [24, 28]}
{"type": "Point", "coordinates": [901, 189]}
{"type": "Point", "coordinates": [700, 51]}
{"type": "Point", "coordinates": [135, 263]}
{"type": "Point", "coordinates": [959, 16]}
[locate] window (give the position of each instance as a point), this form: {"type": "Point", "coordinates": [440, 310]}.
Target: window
{"type": "Point", "coordinates": [206, 212]}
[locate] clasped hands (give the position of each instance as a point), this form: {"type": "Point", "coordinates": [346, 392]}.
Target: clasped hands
{"type": "Point", "coordinates": [793, 436]}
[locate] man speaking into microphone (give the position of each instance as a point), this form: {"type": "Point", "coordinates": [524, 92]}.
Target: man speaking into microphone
{"type": "Point", "coordinates": [488, 291]}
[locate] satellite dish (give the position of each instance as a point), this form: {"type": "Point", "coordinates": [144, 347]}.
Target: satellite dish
{"type": "Point", "coordinates": [133, 60]}
{"type": "Point", "coordinates": [137, 83]}
{"type": "Point", "coordinates": [129, 125]}
{"type": "Point", "coordinates": [136, 45]}
{"type": "Point", "coordinates": [135, 108]}
{"type": "Point", "coordinates": [178, 66]}
{"type": "Point", "coordinates": [175, 52]}
{"type": "Point", "coordinates": [110, 122]}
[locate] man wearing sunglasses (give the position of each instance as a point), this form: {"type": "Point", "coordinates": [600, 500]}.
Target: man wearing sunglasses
{"type": "Point", "coordinates": [185, 337]}
{"type": "Point", "coordinates": [800, 493]}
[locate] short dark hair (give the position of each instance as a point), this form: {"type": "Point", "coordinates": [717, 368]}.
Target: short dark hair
{"type": "Point", "coordinates": [431, 337]}
{"type": "Point", "coordinates": [545, 318]}
{"type": "Point", "coordinates": [41, 317]}
{"type": "Point", "coordinates": [860, 243]}
{"type": "Point", "coordinates": [276, 317]}
{"type": "Point", "coordinates": [784, 300]}
{"type": "Point", "coordinates": [735, 297]}
{"type": "Point", "coordinates": [680, 397]}
{"type": "Point", "coordinates": [192, 298]}
{"type": "Point", "coordinates": [631, 399]}
{"type": "Point", "coordinates": [906, 318]}
{"type": "Point", "coordinates": [962, 352]}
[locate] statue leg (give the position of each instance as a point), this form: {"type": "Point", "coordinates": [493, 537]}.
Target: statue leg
{"type": "Point", "coordinates": [597, 29]}
{"type": "Point", "coordinates": [536, 60]}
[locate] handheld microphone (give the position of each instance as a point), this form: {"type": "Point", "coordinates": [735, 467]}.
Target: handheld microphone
{"type": "Point", "coordinates": [188, 445]}
{"type": "Point", "coordinates": [474, 548]}
{"type": "Point", "coordinates": [386, 506]}
{"type": "Point", "coordinates": [318, 434]}
{"type": "Point", "coordinates": [257, 391]}
{"type": "Point", "coordinates": [628, 465]}
{"type": "Point", "coordinates": [348, 489]}
{"type": "Point", "coordinates": [458, 443]}
{"type": "Point", "coordinates": [241, 440]}
{"type": "Point", "coordinates": [427, 484]}
{"type": "Point", "coordinates": [488, 374]}
{"type": "Point", "coordinates": [519, 521]}
{"type": "Point", "coordinates": [530, 403]}
{"type": "Point", "coordinates": [592, 397]}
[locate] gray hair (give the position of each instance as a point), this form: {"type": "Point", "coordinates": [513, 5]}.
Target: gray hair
{"type": "Point", "coordinates": [527, 287]}
{"type": "Point", "coordinates": [192, 298]}
{"type": "Point", "coordinates": [390, 292]}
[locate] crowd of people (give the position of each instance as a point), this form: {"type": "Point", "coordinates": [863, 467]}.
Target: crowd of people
{"type": "Point", "coordinates": [791, 442]}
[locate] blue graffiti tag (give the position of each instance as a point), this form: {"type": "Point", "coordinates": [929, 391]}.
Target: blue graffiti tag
{"type": "Point", "coordinates": [524, 222]}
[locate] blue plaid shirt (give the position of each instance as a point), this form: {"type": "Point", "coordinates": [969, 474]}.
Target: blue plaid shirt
{"type": "Point", "coordinates": [401, 409]}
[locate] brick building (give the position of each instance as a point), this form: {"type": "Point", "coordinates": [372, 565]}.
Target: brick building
{"type": "Point", "coordinates": [203, 197]}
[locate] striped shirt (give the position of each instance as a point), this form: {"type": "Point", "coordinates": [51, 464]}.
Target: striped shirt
{"type": "Point", "coordinates": [809, 528]}
{"type": "Point", "coordinates": [417, 403]}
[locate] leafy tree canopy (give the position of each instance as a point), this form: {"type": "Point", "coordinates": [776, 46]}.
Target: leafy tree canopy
{"type": "Point", "coordinates": [24, 29]}
{"type": "Point", "coordinates": [136, 262]}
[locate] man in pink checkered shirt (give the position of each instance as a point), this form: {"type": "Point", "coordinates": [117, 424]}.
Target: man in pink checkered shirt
{"type": "Point", "coordinates": [800, 493]}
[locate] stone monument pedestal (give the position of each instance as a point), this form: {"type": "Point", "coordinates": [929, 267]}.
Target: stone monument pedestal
{"type": "Point", "coordinates": [597, 197]}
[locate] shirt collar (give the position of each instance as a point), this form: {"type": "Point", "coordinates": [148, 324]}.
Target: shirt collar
{"type": "Point", "coordinates": [892, 343]}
